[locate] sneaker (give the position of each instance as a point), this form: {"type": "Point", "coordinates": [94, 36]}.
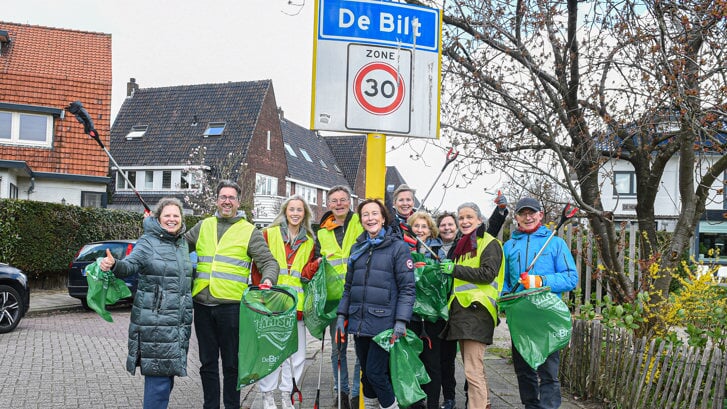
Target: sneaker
{"type": "Point", "coordinates": [449, 404]}
{"type": "Point", "coordinates": [345, 404]}
{"type": "Point", "coordinates": [269, 400]}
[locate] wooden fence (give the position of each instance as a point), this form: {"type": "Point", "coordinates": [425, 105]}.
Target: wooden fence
{"type": "Point", "coordinates": [611, 366]}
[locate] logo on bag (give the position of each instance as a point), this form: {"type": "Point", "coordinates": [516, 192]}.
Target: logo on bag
{"type": "Point", "coordinates": [276, 330]}
{"type": "Point", "coordinates": [561, 333]}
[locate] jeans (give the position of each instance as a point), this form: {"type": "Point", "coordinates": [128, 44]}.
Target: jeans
{"type": "Point", "coordinates": [430, 357]}
{"type": "Point", "coordinates": [448, 354]}
{"type": "Point", "coordinates": [375, 378]}
{"type": "Point", "coordinates": [354, 389]}
{"type": "Point", "coordinates": [217, 329]}
{"type": "Point", "coordinates": [538, 389]}
{"type": "Point", "coordinates": [157, 390]}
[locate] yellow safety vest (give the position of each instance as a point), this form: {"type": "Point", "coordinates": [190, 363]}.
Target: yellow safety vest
{"type": "Point", "coordinates": [223, 266]}
{"type": "Point", "coordinates": [337, 255]}
{"type": "Point", "coordinates": [486, 294]}
{"type": "Point", "coordinates": [289, 276]}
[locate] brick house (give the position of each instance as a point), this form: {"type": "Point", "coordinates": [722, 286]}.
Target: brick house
{"type": "Point", "coordinates": [44, 153]}
{"type": "Point", "coordinates": [157, 131]}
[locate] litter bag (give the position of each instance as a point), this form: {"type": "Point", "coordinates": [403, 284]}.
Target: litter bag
{"type": "Point", "coordinates": [103, 289]}
{"type": "Point", "coordinates": [539, 323]}
{"type": "Point", "coordinates": [432, 289]}
{"type": "Point", "coordinates": [322, 295]}
{"type": "Point", "coordinates": [407, 370]}
{"type": "Point", "coordinates": [268, 334]}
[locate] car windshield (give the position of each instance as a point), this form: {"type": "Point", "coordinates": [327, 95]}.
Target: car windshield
{"type": "Point", "coordinates": [91, 252]}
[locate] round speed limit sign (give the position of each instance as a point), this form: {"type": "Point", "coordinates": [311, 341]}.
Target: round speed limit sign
{"type": "Point", "coordinates": [379, 88]}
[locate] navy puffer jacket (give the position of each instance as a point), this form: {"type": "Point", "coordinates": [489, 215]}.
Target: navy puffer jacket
{"type": "Point", "coordinates": [379, 288]}
{"type": "Point", "coordinates": [161, 317]}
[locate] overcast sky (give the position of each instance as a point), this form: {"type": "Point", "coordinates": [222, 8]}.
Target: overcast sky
{"type": "Point", "coordinates": [167, 43]}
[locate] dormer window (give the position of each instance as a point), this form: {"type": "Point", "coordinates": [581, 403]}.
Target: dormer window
{"type": "Point", "coordinates": [137, 131]}
{"type": "Point", "coordinates": [214, 129]}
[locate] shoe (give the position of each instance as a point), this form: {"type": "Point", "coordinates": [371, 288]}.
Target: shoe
{"type": "Point", "coordinates": [345, 404]}
{"type": "Point", "coordinates": [449, 404]}
{"type": "Point", "coordinates": [269, 400]}
{"type": "Point", "coordinates": [354, 402]}
{"type": "Point", "coordinates": [285, 400]}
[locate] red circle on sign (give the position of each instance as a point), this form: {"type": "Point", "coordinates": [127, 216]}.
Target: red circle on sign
{"type": "Point", "coordinates": [361, 99]}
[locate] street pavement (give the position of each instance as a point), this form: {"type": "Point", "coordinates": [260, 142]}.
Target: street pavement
{"type": "Point", "coordinates": [61, 356]}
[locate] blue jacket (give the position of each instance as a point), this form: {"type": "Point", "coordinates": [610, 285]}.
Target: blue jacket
{"type": "Point", "coordinates": [379, 288]}
{"type": "Point", "coordinates": [556, 265]}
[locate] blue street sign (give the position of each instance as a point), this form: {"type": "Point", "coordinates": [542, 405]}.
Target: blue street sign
{"type": "Point", "coordinates": [393, 24]}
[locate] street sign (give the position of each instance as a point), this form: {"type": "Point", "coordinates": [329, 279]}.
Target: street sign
{"type": "Point", "coordinates": [377, 68]}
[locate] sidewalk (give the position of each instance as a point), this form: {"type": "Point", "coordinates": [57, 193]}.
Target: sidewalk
{"type": "Point", "coordinates": [500, 374]}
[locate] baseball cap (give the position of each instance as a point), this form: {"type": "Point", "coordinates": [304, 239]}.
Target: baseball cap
{"type": "Point", "coordinates": [528, 203]}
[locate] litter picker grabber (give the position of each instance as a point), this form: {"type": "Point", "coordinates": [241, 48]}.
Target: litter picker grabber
{"type": "Point", "coordinates": [295, 393]}
{"type": "Point", "coordinates": [451, 156]}
{"type": "Point", "coordinates": [316, 404]}
{"type": "Point", "coordinates": [82, 116]}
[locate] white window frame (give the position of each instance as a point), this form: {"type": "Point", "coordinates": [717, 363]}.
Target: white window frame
{"type": "Point", "coordinates": [137, 131]}
{"type": "Point", "coordinates": [15, 122]}
{"type": "Point", "coordinates": [266, 185]}
{"type": "Point", "coordinates": [310, 194]}
{"type": "Point", "coordinates": [290, 150]}
{"type": "Point", "coordinates": [305, 155]}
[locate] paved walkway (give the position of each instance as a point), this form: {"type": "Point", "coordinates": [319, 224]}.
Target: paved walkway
{"type": "Point", "coordinates": [500, 374]}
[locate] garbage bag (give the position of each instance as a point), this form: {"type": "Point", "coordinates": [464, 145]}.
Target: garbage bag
{"type": "Point", "coordinates": [322, 295]}
{"type": "Point", "coordinates": [268, 334]}
{"type": "Point", "coordinates": [103, 289]}
{"type": "Point", "coordinates": [539, 323]}
{"type": "Point", "coordinates": [406, 369]}
{"type": "Point", "coordinates": [432, 289]}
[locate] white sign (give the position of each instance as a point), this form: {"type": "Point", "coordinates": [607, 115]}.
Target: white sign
{"type": "Point", "coordinates": [377, 68]}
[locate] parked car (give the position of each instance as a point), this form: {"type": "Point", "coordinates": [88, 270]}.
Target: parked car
{"type": "Point", "coordinates": [77, 284]}
{"type": "Point", "coordinates": [14, 297]}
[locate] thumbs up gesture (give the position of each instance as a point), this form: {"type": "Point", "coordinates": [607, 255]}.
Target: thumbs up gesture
{"type": "Point", "coordinates": [107, 263]}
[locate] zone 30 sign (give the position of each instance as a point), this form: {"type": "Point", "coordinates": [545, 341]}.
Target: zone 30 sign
{"type": "Point", "coordinates": [377, 68]}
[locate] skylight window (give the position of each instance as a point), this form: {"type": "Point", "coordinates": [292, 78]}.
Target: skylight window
{"type": "Point", "coordinates": [137, 131]}
{"type": "Point", "coordinates": [290, 150]}
{"type": "Point", "coordinates": [214, 129]}
{"type": "Point", "coordinates": [337, 168]}
{"type": "Point", "coordinates": [324, 164]}
{"type": "Point", "coordinates": [305, 155]}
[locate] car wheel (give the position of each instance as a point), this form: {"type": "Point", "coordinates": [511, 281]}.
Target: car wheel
{"type": "Point", "coordinates": [84, 303]}
{"type": "Point", "coordinates": [11, 309]}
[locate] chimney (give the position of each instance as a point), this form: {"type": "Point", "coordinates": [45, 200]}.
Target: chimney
{"type": "Point", "coordinates": [131, 87]}
{"type": "Point", "coordinates": [4, 40]}
{"type": "Point", "coordinates": [281, 114]}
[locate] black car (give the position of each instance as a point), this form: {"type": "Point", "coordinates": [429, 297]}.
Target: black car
{"type": "Point", "coordinates": [77, 284]}
{"type": "Point", "coordinates": [14, 297]}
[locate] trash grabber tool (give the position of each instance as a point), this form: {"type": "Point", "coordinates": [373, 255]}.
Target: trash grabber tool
{"type": "Point", "coordinates": [82, 116]}
{"type": "Point", "coordinates": [451, 156]}
{"type": "Point", "coordinates": [316, 404]}
{"type": "Point", "coordinates": [295, 393]}
{"type": "Point", "coordinates": [429, 249]}
{"type": "Point", "coordinates": [569, 211]}
{"type": "Point", "coordinates": [340, 340]}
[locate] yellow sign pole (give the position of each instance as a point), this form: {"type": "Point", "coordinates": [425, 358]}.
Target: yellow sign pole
{"type": "Point", "coordinates": [375, 166]}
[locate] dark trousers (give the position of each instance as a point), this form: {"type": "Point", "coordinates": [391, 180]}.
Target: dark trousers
{"type": "Point", "coordinates": [538, 389]}
{"type": "Point", "coordinates": [217, 329]}
{"type": "Point", "coordinates": [447, 355]}
{"type": "Point", "coordinates": [156, 391]}
{"type": "Point", "coordinates": [375, 375]}
{"type": "Point", "coordinates": [430, 356]}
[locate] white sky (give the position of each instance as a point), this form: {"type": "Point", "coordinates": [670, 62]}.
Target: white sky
{"type": "Point", "coordinates": [180, 42]}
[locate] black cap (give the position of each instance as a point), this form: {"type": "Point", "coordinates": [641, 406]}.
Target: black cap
{"type": "Point", "coordinates": [528, 203]}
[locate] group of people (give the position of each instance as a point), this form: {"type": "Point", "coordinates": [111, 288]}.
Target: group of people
{"type": "Point", "coordinates": [370, 250]}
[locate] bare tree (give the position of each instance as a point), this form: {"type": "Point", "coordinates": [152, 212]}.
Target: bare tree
{"type": "Point", "coordinates": [560, 88]}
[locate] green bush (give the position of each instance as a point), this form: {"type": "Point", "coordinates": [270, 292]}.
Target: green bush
{"type": "Point", "coordinates": [43, 238]}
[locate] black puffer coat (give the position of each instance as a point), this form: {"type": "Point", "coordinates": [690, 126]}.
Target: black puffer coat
{"type": "Point", "coordinates": [161, 317]}
{"type": "Point", "coordinates": [379, 288]}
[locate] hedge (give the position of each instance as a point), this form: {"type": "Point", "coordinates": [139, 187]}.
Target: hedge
{"type": "Point", "coordinates": [43, 238]}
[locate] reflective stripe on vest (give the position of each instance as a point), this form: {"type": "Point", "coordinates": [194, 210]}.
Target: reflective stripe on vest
{"type": "Point", "coordinates": [223, 266]}
{"type": "Point", "coordinates": [337, 255]}
{"type": "Point", "coordinates": [486, 294]}
{"type": "Point", "coordinates": [290, 278]}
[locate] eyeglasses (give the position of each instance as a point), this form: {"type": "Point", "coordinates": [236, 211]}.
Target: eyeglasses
{"type": "Point", "coordinates": [337, 201]}
{"type": "Point", "coordinates": [224, 198]}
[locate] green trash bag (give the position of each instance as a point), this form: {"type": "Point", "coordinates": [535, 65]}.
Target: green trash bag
{"type": "Point", "coordinates": [268, 332]}
{"type": "Point", "coordinates": [103, 289]}
{"type": "Point", "coordinates": [432, 289]}
{"type": "Point", "coordinates": [406, 369]}
{"type": "Point", "coordinates": [539, 323]}
{"type": "Point", "coordinates": [322, 295]}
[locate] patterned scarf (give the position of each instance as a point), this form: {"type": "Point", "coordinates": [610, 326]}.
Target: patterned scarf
{"type": "Point", "coordinates": [467, 245]}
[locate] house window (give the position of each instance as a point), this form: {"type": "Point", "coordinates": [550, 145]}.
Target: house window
{"type": "Point", "coordinates": [214, 129]}
{"type": "Point", "coordinates": [624, 183]}
{"type": "Point", "coordinates": [287, 189]}
{"type": "Point", "coordinates": [92, 199]}
{"type": "Point", "coordinates": [337, 168]}
{"type": "Point", "coordinates": [305, 155]}
{"type": "Point", "coordinates": [137, 131]}
{"type": "Point", "coordinates": [121, 183]}
{"type": "Point", "coordinates": [324, 164]}
{"type": "Point", "coordinates": [13, 194]}
{"type": "Point", "coordinates": [149, 180]}
{"type": "Point", "coordinates": [26, 129]}
{"type": "Point", "coordinates": [324, 195]}
{"type": "Point", "coordinates": [266, 185]}
{"type": "Point", "coordinates": [185, 181]}
{"type": "Point", "coordinates": [310, 194]}
{"type": "Point", "coordinates": [167, 179]}
{"type": "Point", "coordinates": [290, 150]}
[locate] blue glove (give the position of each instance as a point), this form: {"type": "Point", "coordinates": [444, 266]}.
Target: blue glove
{"type": "Point", "coordinates": [501, 202]}
{"type": "Point", "coordinates": [399, 331]}
{"type": "Point", "coordinates": [340, 338]}
{"type": "Point", "coordinates": [447, 266]}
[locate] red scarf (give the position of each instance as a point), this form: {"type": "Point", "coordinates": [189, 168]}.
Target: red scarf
{"type": "Point", "coordinates": [531, 230]}
{"type": "Point", "coordinates": [467, 244]}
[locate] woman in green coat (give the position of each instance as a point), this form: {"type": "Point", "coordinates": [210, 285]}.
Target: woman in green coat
{"type": "Point", "coordinates": [161, 317]}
